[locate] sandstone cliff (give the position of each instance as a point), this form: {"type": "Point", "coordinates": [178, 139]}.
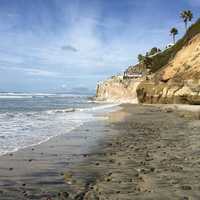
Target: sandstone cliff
{"type": "Point", "coordinates": [117, 89]}
{"type": "Point", "coordinates": [178, 81]}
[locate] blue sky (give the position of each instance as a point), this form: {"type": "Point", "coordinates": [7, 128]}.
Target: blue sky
{"type": "Point", "coordinates": [54, 45]}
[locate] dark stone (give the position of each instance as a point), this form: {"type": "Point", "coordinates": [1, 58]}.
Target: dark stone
{"type": "Point", "coordinates": [80, 196]}
{"type": "Point", "coordinates": [65, 194]}
{"type": "Point", "coordinates": [152, 169]}
{"type": "Point", "coordinates": [186, 198]}
{"type": "Point", "coordinates": [186, 187]}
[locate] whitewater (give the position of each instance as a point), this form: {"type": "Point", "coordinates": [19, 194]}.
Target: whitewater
{"type": "Point", "coordinates": [28, 119]}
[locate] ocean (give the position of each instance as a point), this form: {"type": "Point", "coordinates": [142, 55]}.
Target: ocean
{"type": "Point", "coordinates": [29, 119]}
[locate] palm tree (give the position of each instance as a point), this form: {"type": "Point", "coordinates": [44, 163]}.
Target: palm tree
{"type": "Point", "coordinates": [186, 15]}
{"type": "Point", "coordinates": [174, 32]}
{"type": "Point", "coordinates": [190, 15]}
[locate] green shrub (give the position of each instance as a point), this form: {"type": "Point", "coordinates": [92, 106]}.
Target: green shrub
{"type": "Point", "coordinates": [161, 59]}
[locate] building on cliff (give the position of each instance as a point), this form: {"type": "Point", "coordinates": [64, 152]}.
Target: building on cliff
{"type": "Point", "coordinates": [135, 72]}
{"type": "Point", "coordinates": [134, 75]}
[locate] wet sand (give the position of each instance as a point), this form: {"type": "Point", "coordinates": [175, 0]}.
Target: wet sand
{"type": "Point", "coordinates": [140, 152]}
{"type": "Point", "coordinates": [39, 172]}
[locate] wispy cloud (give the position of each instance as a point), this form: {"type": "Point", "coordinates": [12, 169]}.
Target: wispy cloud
{"type": "Point", "coordinates": [30, 71]}
{"type": "Point", "coordinates": [69, 48]}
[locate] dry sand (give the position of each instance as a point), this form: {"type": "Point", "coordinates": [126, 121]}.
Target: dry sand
{"type": "Point", "coordinates": [141, 152]}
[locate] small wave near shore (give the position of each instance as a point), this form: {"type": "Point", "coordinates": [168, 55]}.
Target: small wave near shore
{"type": "Point", "coordinates": [26, 122]}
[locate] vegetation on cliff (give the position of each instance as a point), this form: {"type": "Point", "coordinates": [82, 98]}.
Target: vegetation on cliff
{"type": "Point", "coordinates": [177, 73]}
{"type": "Point", "coordinates": [160, 59]}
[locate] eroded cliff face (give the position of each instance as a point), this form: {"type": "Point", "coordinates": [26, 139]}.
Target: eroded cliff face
{"type": "Point", "coordinates": [178, 81]}
{"type": "Point", "coordinates": [117, 89]}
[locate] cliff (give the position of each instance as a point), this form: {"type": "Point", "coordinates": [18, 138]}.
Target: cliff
{"type": "Point", "coordinates": [117, 89]}
{"type": "Point", "coordinates": [179, 80]}
{"type": "Point", "coordinates": [175, 76]}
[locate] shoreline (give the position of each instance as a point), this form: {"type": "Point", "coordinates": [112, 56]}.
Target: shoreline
{"type": "Point", "coordinates": [37, 172]}
{"type": "Point", "coordinates": [39, 143]}
{"type": "Point", "coordinates": [104, 108]}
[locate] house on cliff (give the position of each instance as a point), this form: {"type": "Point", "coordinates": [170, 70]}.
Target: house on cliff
{"type": "Point", "coordinates": [134, 75]}
{"type": "Point", "coordinates": [135, 72]}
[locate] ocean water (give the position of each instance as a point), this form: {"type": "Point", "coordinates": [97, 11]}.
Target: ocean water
{"type": "Point", "coordinates": [30, 119]}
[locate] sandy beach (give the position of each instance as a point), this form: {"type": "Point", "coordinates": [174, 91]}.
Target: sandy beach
{"type": "Point", "coordinates": [139, 152]}
{"type": "Point", "coordinates": [100, 100]}
{"type": "Point", "coordinates": [38, 172]}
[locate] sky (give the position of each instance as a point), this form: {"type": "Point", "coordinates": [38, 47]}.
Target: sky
{"type": "Point", "coordinates": [64, 45]}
